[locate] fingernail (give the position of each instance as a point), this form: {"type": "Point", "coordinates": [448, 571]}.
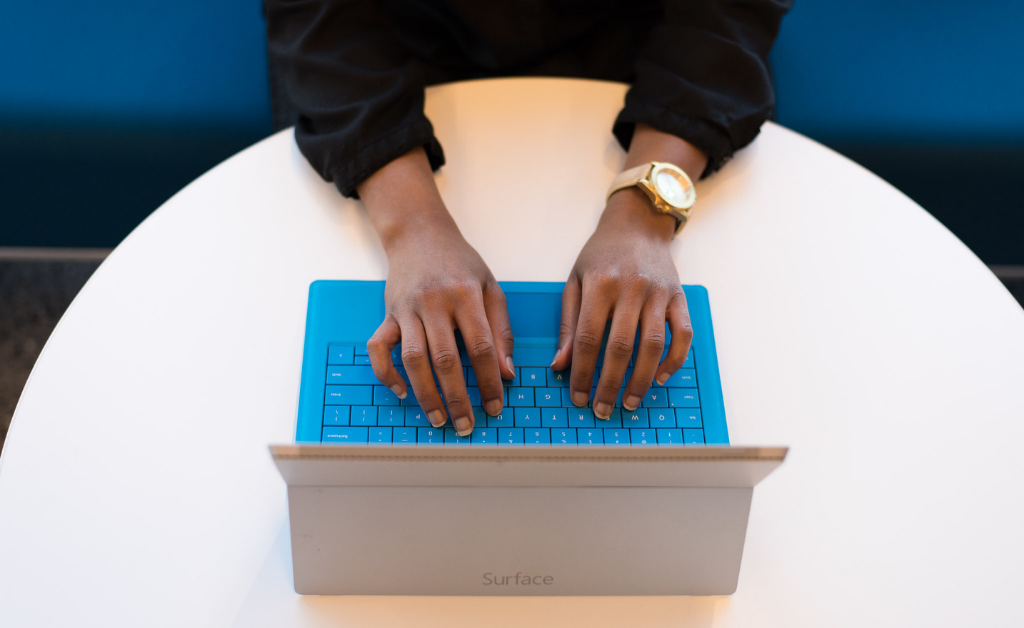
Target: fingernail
{"type": "Point", "coordinates": [580, 398]}
{"type": "Point", "coordinates": [508, 363]}
{"type": "Point", "coordinates": [399, 391]}
{"type": "Point", "coordinates": [436, 418]}
{"type": "Point", "coordinates": [602, 410]}
{"type": "Point", "coordinates": [462, 426]}
{"type": "Point", "coordinates": [663, 378]}
{"type": "Point", "coordinates": [493, 407]}
{"type": "Point", "coordinates": [631, 402]}
{"type": "Point", "coordinates": [555, 359]}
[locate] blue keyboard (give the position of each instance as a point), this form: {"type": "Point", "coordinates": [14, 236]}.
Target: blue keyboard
{"type": "Point", "coordinates": [354, 408]}
{"type": "Point", "coordinates": [538, 411]}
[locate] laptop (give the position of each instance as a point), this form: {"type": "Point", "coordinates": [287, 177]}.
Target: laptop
{"type": "Point", "coordinates": [543, 499]}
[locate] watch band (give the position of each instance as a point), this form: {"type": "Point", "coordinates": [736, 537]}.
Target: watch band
{"type": "Point", "coordinates": [629, 178]}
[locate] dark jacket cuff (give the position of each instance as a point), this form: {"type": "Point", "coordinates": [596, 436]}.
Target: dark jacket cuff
{"type": "Point", "coordinates": [708, 137]}
{"type": "Point", "coordinates": [376, 155]}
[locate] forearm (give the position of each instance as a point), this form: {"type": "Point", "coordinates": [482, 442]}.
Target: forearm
{"type": "Point", "coordinates": [402, 199]}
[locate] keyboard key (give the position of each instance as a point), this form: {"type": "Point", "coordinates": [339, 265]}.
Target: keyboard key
{"type": "Point", "coordinates": [363, 360]}
{"type": "Point", "coordinates": [382, 396]}
{"type": "Point", "coordinates": [515, 381]}
{"type": "Point", "coordinates": [636, 418]}
{"type": "Point", "coordinates": [662, 417]}
{"type": "Point", "coordinates": [485, 436]}
{"type": "Point", "coordinates": [349, 396]}
{"type": "Point", "coordinates": [670, 437]}
{"type": "Point", "coordinates": [533, 376]}
{"type": "Point", "coordinates": [336, 415]}
{"type": "Point", "coordinates": [534, 356]}
{"type": "Point", "coordinates": [510, 436]}
{"type": "Point", "coordinates": [347, 435]}
{"type": "Point", "coordinates": [430, 435]}
{"type": "Point", "coordinates": [558, 379]}
{"type": "Point", "coordinates": [683, 378]}
{"type": "Point", "coordinates": [688, 364]}
{"type": "Point", "coordinates": [351, 375]}
{"type": "Point", "coordinates": [339, 354]}
{"type": "Point", "coordinates": [520, 397]}
{"type": "Point", "coordinates": [554, 417]}
{"type": "Point", "coordinates": [364, 415]}
{"type": "Point", "coordinates": [567, 398]}
{"type": "Point", "coordinates": [392, 416]}
{"type": "Point", "coordinates": [410, 397]}
{"type": "Point", "coordinates": [580, 417]}
{"type": "Point", "coordinates": [416, 417]}
{"type": "Point", "coordinates": [693, 437]}
{"type": "Point", "coordinates": [683, 397]}
{"type": "Point", "coordinates": [452, 439]}
{"type": "Point", "coordinates": [618, 437]}
{"type": "Point", "coordinates": [380, 435]}
{"type": "Point", "coordinates": [548, 397]}
{"type": "Point", "coordinates": [589, 438]}
{"type": "Point", "coordinates": [361, 349]}
{"type": "Point", "coordinates": [688, 417]}
{"type": "Point", "coordinates": [504, 419]}
{"type": "Point", "coordinates": [527, 417]}
{"type": "Point", "coordinates": [474, 396]}
{"type": "Point", "coordinates": [404, 435]}
{"type": "Point", "coordinates": [479, 417]}
{"type": "Point", "coordinates": [643, 438]}
{"type": "Point", "coordinates": [613, 420]}
{"type": "Point", "coordinates": [563, 436]}
{"type": "Point", "coordinates": [655, 398]}
{"type": "Point", "coordinates": [537, 436]}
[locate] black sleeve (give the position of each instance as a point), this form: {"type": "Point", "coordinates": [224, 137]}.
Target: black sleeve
{"type": "Point", "coordinates": [703, 75]}
{"type": "Point", "coordinates": [358, 92]}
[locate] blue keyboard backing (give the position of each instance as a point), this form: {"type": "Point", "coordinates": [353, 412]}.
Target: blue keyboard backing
{"type": "Point", "coordinates": [354, 408]}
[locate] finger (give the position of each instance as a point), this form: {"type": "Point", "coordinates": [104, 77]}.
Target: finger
{"type": "Point", "coordinates": [444, 354]}
{"type": "Point", "coordinates": [471, 320]}
{"type": "Point", "coordinates": [570, 317]}
{"type": "Point", "coordinates": [648, 354]}
{"type": "Point", "coordinates": [496, 310]}
{"type": "Point", "coordinates": [416, 358]}
{"type": "Point", "coordinates": [617, 352]}
{"type": "Point", "coordinates": [678, 317]}
{"type": "Point", "coordinates": [379, 347]}
{"type": "Point", "coordinates": [587, 340]}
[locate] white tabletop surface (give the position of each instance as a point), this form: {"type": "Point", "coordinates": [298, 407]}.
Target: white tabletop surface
{"type": "Point", "coordinates": [136, 488]}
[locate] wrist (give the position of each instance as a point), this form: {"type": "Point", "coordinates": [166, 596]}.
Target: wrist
{"type": "Point", "coordinates": [414, 228]}
{"type": "Point", "coordinates": [630, 213]}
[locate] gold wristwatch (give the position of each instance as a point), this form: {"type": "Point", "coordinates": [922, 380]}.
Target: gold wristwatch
{"type": "Point", "coordinates": [670, 190]}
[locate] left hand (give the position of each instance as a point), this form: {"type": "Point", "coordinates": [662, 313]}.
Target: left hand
{"type": "Point", "coordinates": [625, 272]}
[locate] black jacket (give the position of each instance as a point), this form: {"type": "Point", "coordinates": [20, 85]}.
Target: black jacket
{"type": "Point", "coordinates": [355, 70]}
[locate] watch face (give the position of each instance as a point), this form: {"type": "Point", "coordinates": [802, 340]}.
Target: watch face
{"type": "Point", "coordinates": [673, 186]}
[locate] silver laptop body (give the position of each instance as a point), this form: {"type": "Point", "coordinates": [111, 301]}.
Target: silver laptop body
{"type": "Point", "coordinates": [490, 521]}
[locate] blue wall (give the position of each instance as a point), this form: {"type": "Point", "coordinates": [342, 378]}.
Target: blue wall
{"type": "Point", "coordinates": [140, 62]}
{"type": "Point", "coordinates": [917, 69]}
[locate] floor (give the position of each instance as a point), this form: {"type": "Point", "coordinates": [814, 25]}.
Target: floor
{"type": "Point", "coordinates": [35, 293]}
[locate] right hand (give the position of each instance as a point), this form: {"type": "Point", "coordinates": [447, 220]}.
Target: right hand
{"type": "Point", "coordinates": [437, 283]}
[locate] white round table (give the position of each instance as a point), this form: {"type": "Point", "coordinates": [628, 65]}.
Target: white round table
{"type": "Point", "coordinates": [136, 487]}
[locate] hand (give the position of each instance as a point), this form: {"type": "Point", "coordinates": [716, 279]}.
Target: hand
{"type": "Point", "coordinates": [437, 283]}
{"type": "Point", "coordinates": [624, 272]}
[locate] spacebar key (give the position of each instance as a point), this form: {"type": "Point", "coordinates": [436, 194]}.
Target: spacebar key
{"type": "Point", "coordinates": [532, 356]}
{"type": "Point", "coordinates": [351, 375]}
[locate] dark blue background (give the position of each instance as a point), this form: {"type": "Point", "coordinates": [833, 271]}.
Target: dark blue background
{"type": "Point", "coordinates": [109, 107]}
